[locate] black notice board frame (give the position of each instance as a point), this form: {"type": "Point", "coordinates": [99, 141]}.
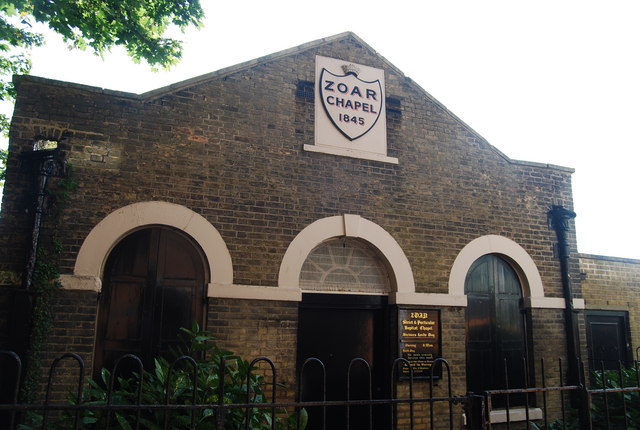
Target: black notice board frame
{"type": "Point", "coordinates": [419, 341]}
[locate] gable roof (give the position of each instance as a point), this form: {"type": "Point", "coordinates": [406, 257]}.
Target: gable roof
{"type": "Point", "coordinates": [159, 92]}
{"type": "Point", "coordinates": [266, 58]}
{"type": "Point", "coordinates": [150, 95]}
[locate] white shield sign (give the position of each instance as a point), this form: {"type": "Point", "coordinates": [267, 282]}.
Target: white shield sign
{"type": "Point", "coordinates": [353, 105]}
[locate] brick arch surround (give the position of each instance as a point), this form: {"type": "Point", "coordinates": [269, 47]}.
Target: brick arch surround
{"type": "Point", "coordinates": [533, 288]}
{"type": "Point", "coordinates": [352, 226]}
{"type": "Point", "coordinates": [494, 244]}
{"type": "Point", "coordinates": [105, 235]}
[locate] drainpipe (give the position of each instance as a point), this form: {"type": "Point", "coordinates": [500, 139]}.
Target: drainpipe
{"type": "Point", "coordinates": [559, 218]}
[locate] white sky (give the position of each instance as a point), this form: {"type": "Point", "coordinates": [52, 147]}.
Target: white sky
{"type": "Point", "coordinates": [548, 81]}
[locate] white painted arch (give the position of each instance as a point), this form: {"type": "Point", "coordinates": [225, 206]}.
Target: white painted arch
{"type": "Point", "coordinates": [494, 244]}
{"type": "Point", "coordinates": [525, 267]}
{"type": "Point", "coordinates": [107, 233]}
{"type": "Point", "coordinates": [352, 226]}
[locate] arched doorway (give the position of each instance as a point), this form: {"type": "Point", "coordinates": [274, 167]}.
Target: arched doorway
{"type": "Point", "coordinates": [496, 328]}
{"type": "Point", "coordinates": [343, 316]}
{"type": "Point", "coordinates": [154, 283]}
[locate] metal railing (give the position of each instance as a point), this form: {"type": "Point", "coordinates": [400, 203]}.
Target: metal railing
{"type": "Point", "coordinates": [601, 399]}
{"type": "Point", "coordinates": [610, 403]}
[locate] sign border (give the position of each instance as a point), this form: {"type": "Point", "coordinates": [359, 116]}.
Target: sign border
{"type": "Point", "coordinates": [438, 371]}
{"type": "Point", "coordinates": [326, 110]}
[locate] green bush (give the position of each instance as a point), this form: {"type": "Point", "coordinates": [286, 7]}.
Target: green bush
{"type": "Point", "coordinates": [616, 405]}
{"type": "Point", "coordinates": [202, 356]}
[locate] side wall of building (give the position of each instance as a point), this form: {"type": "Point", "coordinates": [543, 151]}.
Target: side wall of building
{"type": "Point", "coordinates": [613, 284]}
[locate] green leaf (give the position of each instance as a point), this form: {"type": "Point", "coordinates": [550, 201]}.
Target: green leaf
{"type": "Point", "coordinates": [3, 165]}
{"type": "Point", "coordinates": [123, 422]}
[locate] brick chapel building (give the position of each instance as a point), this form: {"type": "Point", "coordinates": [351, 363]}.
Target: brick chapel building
{"type": "Point", "coordinates": [313, 202]}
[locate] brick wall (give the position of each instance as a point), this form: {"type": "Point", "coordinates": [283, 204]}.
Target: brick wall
{"type": "Point", "coordinates": [228, 149]}
{"type": "Point", "coordinates": [229, 146]}
{"type": "Point", "coordinates": [254, 328]}
{"type": "Point", "coordinates": [72, 331]}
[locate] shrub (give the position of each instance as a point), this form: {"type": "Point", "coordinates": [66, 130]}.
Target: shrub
{"type": "Point", "coordinates": [197, 364]}
{"type": "Point", "coordinates": [611, 407]}
{"type": "Point", "coordinates": [616, 405]}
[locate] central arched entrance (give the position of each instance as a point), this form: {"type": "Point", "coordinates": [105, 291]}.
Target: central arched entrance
{"type": "Point", "coordinates": [344, 316]}
{"type": "Point", "coordinates": [154, 283]}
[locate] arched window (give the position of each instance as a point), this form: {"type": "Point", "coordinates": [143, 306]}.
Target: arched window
{"type": "Point", "coordinates": [496, 327]}
{"type": "Point", "coordinates": [154, 283]}
{"type": "Point", "coordinates": [344, 265]}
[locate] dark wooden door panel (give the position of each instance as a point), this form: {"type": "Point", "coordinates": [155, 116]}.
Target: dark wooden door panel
{"type": "Point", "coordinates": [495, 327]}
{"type": "Point", "coordinates": [336, 336]}
{"type": "Point", "coordinates": [154, 284]}
{"type": "Point", "coordinates": [123, 319]}
{"type": "Point", "coordinates": [608, 339]}
{"type": "Point", "coordinates": [479, 319]}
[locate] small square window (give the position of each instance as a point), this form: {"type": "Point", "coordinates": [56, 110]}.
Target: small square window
{"type": "Point", "coordinates": [305, 89]}
{"type": "Point", "coordinates": [394, 106]}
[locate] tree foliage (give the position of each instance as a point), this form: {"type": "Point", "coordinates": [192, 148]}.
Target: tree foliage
{"type": "Point", "coordinates": [99, 25]}
{"type": "Point", "coordinates": [3, 166]}
{"type": "Point", "coordinates": [138, 25]}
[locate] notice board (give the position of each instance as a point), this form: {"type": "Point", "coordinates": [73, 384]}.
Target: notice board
{"type": "Point", "coordinates": [419, 341]}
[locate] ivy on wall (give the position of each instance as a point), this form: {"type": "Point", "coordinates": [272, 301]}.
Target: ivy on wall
{"type": "Point", "coordinates": [46, 283]}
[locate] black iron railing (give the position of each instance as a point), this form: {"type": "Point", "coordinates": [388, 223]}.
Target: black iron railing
{"type": "Point", "coordinates": [604, 400]}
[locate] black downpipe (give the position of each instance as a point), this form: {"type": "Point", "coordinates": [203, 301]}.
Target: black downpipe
{"type": "Point", "coordinates": [559, 218]}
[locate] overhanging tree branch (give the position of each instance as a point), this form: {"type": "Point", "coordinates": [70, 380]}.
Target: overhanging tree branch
{"type": "Point", "coordinates": [98, 25]}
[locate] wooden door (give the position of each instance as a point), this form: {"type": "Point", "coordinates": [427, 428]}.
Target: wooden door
{"type": "Point", "coordinates": [337, 329]}
{"type": "Point", "coordinates": [495, 327]}
{"type": "Point", "coordinates": [608, 339]}
{"type": "Point", "coordinates": [153, 285]}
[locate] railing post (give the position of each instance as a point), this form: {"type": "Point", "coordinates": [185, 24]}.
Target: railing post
{"type": "Point", "coordinates": [474, 406]}
{"type": "Point", "coordinates": [52, 373]}
{"type": "Point", "coordinates": [112, 380]}
{"type": "Point", "coordinates": [369, 391]}
{"type": "Point", "coordinates": [254, 364]}
{"type": "Point", "coordinates": [324, 390]}
{"type": "Point", "coordinates": [221, 410]}
{"type": "Point", "coordinates": [394, 391]}
{"type": "Point", "coordinates": [441, 362]}
{"type": "Point", "coordinates": [584, 406]}
{"type": "Point", "coordinates": [14, 395]}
